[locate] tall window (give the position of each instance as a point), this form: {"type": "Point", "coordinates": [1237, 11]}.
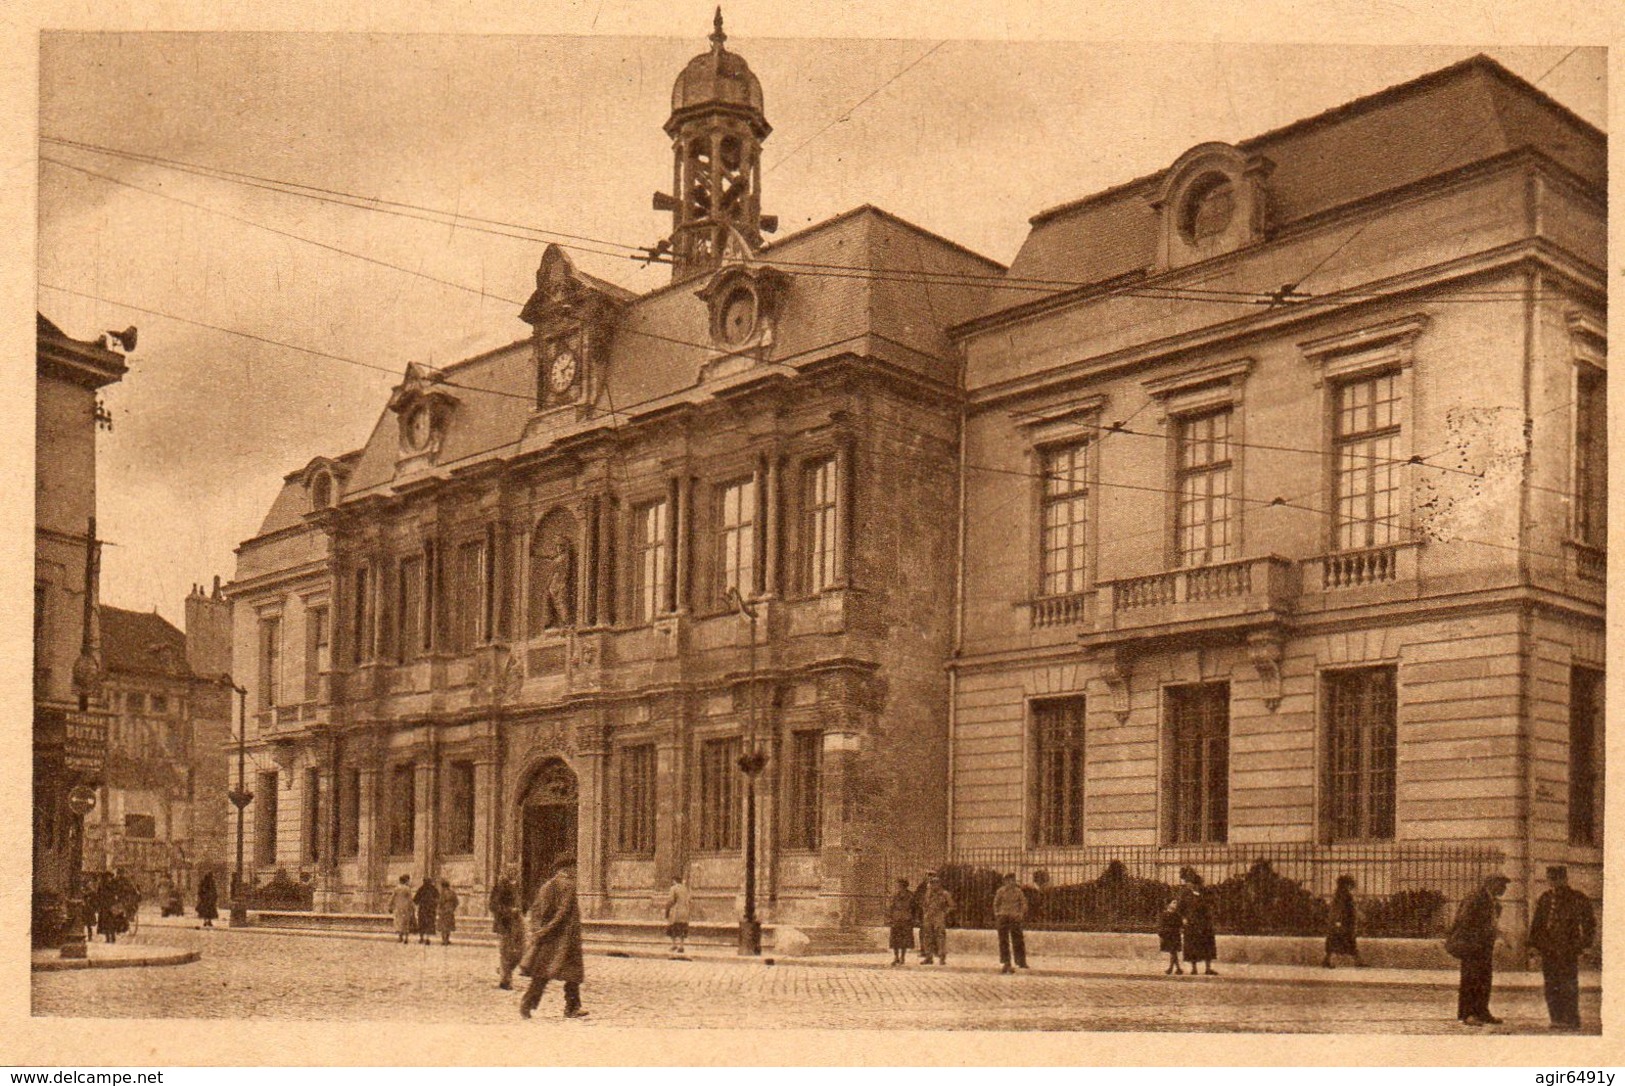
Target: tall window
{"type": "Point", "coordinates": [460, 808]}
{"type": "Point", "coordinates": [1058, 776]}
{"type": "Point", "coordinates": [1360, 752]}
{"type": "Point", "coordinates": [270, 662]}
{"type": "Point", "coordinates": [1591, 457]}
{"type": "Point", "coordinates": [804, 809]}
{"type": "Point", "coordinates": [410, 632]}
{"type": "Point", "coordinates": [1368, 467]}
{"type": "Point", "coordinates": [652, 558]}
{"type": "Point", "coordinates": [719, 795]}
{"type": "Point", "coordinates": [468, 595]}
{"type": "Point", "coordinates": [403, 810]}
{"type": "Point", "coordinates": [1199, 729]}
{"type": "Point", "coordinates": [1203, 511]}
{"type": "Point", "coordinates": [361, 616]}
{"type": "Point", "coordinates": [349, 808]}
{"type": "Point", "coordinates": [736, 539]}
{"type": "Point", "coordinates": [265, 817]}
{"type": "Point", "coordinates": [635, 829]}
{"type": "Point", "coordinates": [1585, 753]}
{"type": "Point", "coordinates": [819, 504]}
{"type": "Point", "coordinates": [318, 651]}
{"type": "Point", "coordinates": [1065, 512]}
{"type": "Point", "coordinates": [313, 815]}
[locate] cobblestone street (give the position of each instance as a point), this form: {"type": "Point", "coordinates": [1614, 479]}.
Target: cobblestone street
{"type": "Point", "coordinates": [280, 976]}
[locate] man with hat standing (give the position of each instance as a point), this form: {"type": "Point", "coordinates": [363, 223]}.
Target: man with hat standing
{"type": "Point", "coordinates": [1562, 929]}
{"type": "Point", "coordinates": [555, 941]}
{"type": "Point", "coordinates": [1472, 939]}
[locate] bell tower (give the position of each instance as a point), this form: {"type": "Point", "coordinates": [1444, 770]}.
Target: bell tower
{"type": "Point", "coordinates": [717, 127]}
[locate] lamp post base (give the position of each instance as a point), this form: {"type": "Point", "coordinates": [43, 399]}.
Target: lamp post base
{"type": "Point", "coordinates": [750, 937]}
{"type": "Point", "coordinates": [239, 916]}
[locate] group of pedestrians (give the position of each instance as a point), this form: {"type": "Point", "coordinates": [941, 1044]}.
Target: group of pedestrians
{"type": "Point", "coordinates": [1185, 928]}
{"type": "Point", "coordinates": [1560, 931]}
{"type": "Point", "coordinates": [431, 910]}
{"type": "Point", "coordinates": [927, 907]}
{"type": "Point", "coordinates": [111, 901]}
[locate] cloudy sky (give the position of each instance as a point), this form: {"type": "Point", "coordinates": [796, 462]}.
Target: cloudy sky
{"type": "Point", "coordinates": [545, 134]}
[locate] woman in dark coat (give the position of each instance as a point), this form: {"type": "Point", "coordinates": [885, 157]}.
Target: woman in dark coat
{"type": "Point", "coordinates": [1340, 923]}
{"type": "Point", "coordinates": [555, 941]}
{"type": "Point", "coordinates": [900, 915]}
{"type": "Point", "coordinates": [1169, 940]}
{"type": "Point", "coordinates": [427, 900]}
{"type": "Point", "coordinates": [1197, 912]}
{"type": "Point", "coordinates": [208, 901]}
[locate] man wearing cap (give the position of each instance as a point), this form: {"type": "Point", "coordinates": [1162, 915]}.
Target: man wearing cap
{"type": "Point", "coordinates": [555, 941]}
{"type": "Point", "coordinates": [1472, 939]}
{"type": "Point", "coordinates": [1562, 929]}
{"type": "Point", "coordinates": [935, 905]}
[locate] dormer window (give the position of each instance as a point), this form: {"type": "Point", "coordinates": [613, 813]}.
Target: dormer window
{"type": "Point", "coordinates": [1209, 206]}
{"type": "Point", "coordinates": [321, 491]}
{"type": "Point", "coordinates": [1212, 202]}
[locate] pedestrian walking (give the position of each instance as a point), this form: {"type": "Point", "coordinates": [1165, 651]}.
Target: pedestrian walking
{"type": "Point", "coordinates": [1340, 924]}
{"type": "Point", "coordinates": [1472, 939]}
{"type": "Point", "coordinates": [1009, 913]}
{"type": "Point", "coordinates": [555, 941]}
{"type": "Point", "coordinates": [677, 908]}
{"type": "Point", "coordinates": [935, 905]}
{"type": "Point", "coordinates": [445, 912]}
{"type": "Point", "coordinates": [208, 900]}
{"type": "Point", "coordinates": [900, 916]}
{"type": "Point", "coordinates": [1199, 943]}
{"type": "Point", "coordinates": [400, 904]}
{"type": "Point", "coordinates": [90, 898]}
{"type": "Point", "coordinates": [509, 923]}
{"type": "Point", "coordinates": [1562, 929]}
{"type": "Point", "coordinates": [1169, 927]}
{"type": "Point", "coordinates": [426, 900]}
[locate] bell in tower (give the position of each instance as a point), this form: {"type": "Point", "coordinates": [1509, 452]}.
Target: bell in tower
{"type": "Point", "coordinates": [717, 127]}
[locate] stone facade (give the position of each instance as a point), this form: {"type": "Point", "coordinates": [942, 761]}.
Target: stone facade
{"type": "Point", "coordinates": [69, 729]}
{"type": "Point", "coordinates": [531, 643]}
{"type": "Point", "coordinates": [1232, 529]}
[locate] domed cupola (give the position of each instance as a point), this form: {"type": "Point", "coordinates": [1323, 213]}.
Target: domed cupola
{"type": "Point", "coordinates": [717, 127]}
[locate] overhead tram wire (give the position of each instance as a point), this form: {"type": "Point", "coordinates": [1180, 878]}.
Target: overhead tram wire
{"type": "Point", "coordinates": [625, 412]}
{"type": "Point", "coordinates": [1170, 292]}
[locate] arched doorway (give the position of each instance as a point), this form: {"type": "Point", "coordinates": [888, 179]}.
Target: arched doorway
{"type": "Point", "coordinates": [547, 822]}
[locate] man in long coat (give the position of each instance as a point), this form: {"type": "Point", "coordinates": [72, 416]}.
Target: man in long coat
{"type": "Point", "coordinates": [555, 941]}
{"type": "Point", "coordinates": [508, 922]}
{"type": "Point", "coordinates": [1472, 939]}
{"type": "Point", "coordinates": [935, 905]}
{"type": "Point", "coordinates": [1562, 929]}
{"type": "Point", "coordinates": [427, 900]}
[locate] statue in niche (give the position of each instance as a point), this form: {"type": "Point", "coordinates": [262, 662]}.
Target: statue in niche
{"type": "Point", "coordinates": [557, 567]}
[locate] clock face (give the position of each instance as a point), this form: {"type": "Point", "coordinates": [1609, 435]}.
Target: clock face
{"type": "Point", "coordinates": [739, 317]}
{"type": "Point", "coordinates": [563, 372]}
{"type": "Point", "coordinates": [419, 427]}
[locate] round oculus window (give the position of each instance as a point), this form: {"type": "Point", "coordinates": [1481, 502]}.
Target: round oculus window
{"type": "Point", "coordinates": [419, 427]}
{"type": "Point", "coordinates": [739, 316]}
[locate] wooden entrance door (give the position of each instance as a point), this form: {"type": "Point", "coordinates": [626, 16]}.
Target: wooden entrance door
{"type": "Point", "coordinates": [547, 825]}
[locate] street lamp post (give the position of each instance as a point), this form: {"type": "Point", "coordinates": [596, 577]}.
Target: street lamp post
{"type": "Point", "coordinates": [240, 798]}
{"type": "Point", "coordinates": [751, 762]}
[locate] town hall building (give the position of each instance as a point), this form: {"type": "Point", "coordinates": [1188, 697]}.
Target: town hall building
{"type": "Point", "coordinates": [1258, 507]}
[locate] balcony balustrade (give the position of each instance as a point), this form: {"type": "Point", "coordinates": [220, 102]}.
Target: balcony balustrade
{"type": "Point", "coordinates": [1243, 590]}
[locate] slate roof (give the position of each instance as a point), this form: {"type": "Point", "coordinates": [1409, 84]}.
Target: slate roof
{"type": "Point", "coordinates": [1432, 125]}
{"type": "Point", "coordinates": [142, 643]}
{"type": "Point", "coordinates": [662, 338]}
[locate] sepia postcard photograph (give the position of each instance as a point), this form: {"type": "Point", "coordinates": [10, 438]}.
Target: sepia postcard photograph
{"type": "Point", "coordinates": [734, 524]}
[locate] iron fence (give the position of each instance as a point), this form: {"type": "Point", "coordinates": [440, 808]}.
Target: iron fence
{"type": "Point", "coordinates": [1401, 889]}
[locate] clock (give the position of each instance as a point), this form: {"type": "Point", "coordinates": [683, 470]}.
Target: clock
{"type": "Point", "coordinates": [562, 374]}
{"type": "Point", "coordinates": [739, 317]}
{"type": "Point", "coordinates": [419, 427]}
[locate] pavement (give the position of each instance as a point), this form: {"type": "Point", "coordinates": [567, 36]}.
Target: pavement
{"type": "Point", "coordinates": [99, 955]}
{"type": "Point", "coordinates": [254, 974]}
{"type": "Point", "coordinates": [1041, 966]}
